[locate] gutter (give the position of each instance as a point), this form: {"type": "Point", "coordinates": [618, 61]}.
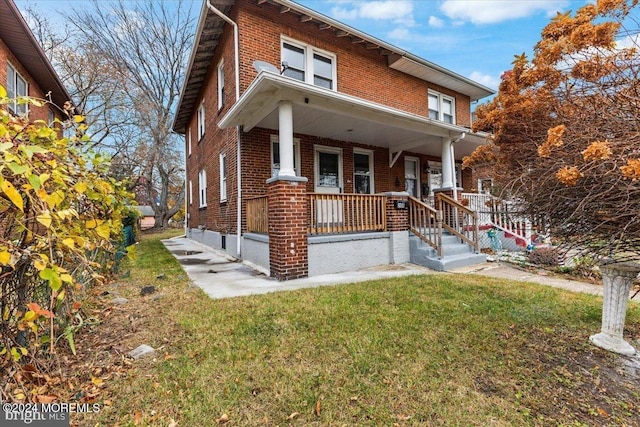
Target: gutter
{"type": "Point", "coordinates": [236, 45]}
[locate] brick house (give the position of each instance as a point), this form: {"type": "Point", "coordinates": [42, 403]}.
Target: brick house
{"type": "Point", "coordinates": [312, 147]}
{"type": "Point", "coordinates": [25, 69]}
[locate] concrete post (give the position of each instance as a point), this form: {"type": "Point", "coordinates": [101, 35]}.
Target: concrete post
{"type": "Point", "coordinates": [617, 279]}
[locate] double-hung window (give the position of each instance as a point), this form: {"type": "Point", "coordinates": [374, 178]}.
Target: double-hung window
{"type": "Point", "coordinates": [201, 121]}
{"type": "Point", "coordinates": [189, 141]}
{"type": "Point", "coordinates": [308, 64]}
{"type": "Point", "coordinates": [275, 156]}
{"type": "Point", "coordinates": [221, 95]}
{"type": "Point", "coordinates": [190, 192]}
{"type": "Point", "coordinates": [16, 87]}
{"type": "Point", "coordinates": [441, 107]}
{"type": "Point", "coordinates": [223, 177]}
{"type": "Point", "coordinates": [202, 188]}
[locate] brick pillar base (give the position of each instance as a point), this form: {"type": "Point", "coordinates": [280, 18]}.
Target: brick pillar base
{"type": "Point", "coordinates": [288, 250]}
{"type": "Point", "coordinates": [397, 218]}
{"type": "Point", "coordinates": [397, 225]}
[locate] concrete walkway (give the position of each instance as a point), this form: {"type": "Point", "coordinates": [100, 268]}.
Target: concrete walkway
{"type": "Point", "coordinates": [221, 276]}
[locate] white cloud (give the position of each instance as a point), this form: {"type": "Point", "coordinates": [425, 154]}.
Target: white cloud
{"type": "Point", "coordinates": [491, 82]}
{"type": "Point", "coordinates": [435, 22]}
{"type": "Point", "coordinates": [398, 11]}
{"type": "Point", "coordinates": [494, 11]}
{"type": "Point", "coordinates": [399, 34]}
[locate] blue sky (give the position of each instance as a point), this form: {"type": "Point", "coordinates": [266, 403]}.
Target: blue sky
{"type": "Point", "coordinates": [474, 38]}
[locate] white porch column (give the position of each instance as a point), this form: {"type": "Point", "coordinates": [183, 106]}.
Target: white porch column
{"type": "Point", "coordinates": [285, 116]}
{"type": "Point", "coordinates": [447, 163]}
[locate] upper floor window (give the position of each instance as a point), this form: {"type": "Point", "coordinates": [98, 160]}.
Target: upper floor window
{"type": "Point", "coordinates": [201, 121]}
{"type": "Point", "coordinates": [189, 142]}
{"type": "Point", "coordinates": [220, 84]}
{"type": "Point", "coordinates": [309, 64]}
{"type": "Point", "coordinates": [441, 107]}
{"type": "Point", "coordinates": [16, 87]}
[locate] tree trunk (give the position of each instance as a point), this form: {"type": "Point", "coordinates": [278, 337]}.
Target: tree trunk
{"type": "Point", "coordinates": [617, 279]}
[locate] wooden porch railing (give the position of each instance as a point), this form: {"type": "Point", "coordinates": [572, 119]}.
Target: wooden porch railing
{"type": "Point", "coordinates": [426, 223]}
{"type": "Point", "coordinates": [346, 213]}
{"type": "Point", "coordinates": [258, 215]}
{"type": "Point", "coordinates": [459, 220]}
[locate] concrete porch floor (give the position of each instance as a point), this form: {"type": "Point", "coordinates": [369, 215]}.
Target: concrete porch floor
{"type": "Point", "coordinates": [221, 276]}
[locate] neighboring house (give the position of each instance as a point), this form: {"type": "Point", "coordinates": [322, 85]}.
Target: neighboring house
{"type": "Point", "coordinates": [148, 219]}
{"type": "Point", "coordinates": [25, 69]}
{"type": "Point", "coordinates": [304, 136]}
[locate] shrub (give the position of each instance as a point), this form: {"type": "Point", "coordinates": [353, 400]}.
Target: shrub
{"type": "Point", "coordinates": [60, 220]}
{"type": "Point", "coordinates": [544, 256]}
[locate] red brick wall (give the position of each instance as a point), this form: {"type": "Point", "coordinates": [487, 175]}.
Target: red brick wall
{"type": "Point", "coordinates": [35, 113]}
{"type": "Point", "coordinates": [288, 250]}
{"type": "Point", "coordinates": [397, 219]}
{"type": "Point", "coordinates": [361, 72]}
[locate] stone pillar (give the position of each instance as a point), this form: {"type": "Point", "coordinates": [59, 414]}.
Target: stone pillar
{"type": "Point", "coordinates": [288, 247]}
{"type": "Point", "coordinates": [285, 138]}
{"type": "Point", "coordinates": [398, 226]}
{"type": "Point", "coordinates": [617, 279]}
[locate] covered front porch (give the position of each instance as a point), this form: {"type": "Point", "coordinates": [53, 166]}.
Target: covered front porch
{"type": "Point", "coordinates": [299, 210]}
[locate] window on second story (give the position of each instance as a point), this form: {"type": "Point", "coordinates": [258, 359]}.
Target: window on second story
{"type": "Point", "coordinates": [16, 87]}
{"type": "Point", "coordinates": [189, 141]}
{"type": "Point", "coordinates": [221, 85]}
{"type": "Point", "coordinates": [201, 121]}
{"type": "Point", "coordinates": [308, 64]}
{"type": "Point", "coordinates": [441, 107]}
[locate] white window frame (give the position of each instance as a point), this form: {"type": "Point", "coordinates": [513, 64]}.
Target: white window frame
{"type": "Point", "coordinates": [220, 71]}
{"type": "Point", "coordinates": [296, 155]}
{"type": "Point", "coordinates": [202, 188]}
{"type": "Point", "coordinates": [189, 141]}
{"type": "Point", "coordinates": [371, 171]}
{"type": "Point", "coordinates": [201, 121]}
{"type": "Point", "coordinates": [309, 51]}
{"type": "Point", "coordinates": [223, 177]}
{"type": "Point", "coordinates": [440, 112]}
{"type": "Point", "coordinates": [190, 192]}
{"type": "Point", "coordinates": [13, 76]}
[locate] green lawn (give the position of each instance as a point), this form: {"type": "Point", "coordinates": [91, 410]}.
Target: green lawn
{"type": "Point", "coordinates": [434, 350]}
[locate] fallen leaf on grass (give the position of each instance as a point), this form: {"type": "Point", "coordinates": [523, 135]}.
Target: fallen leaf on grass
{"type": "Point", "coordinates": [137, 418]}
{"type": "Point", "coordinates": [293, 415]}
{"type": "Point", "coordinates": [172, 423]}
{"type": "Point", "coordinates": [602, 412]}
{"type": "Point", "coordinates": [224, 418]}
{"type": "Point", "coordinates": [317, 409]}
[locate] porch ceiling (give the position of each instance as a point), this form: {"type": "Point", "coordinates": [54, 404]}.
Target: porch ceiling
{"type": "Point", "coordinates": [328, 114]}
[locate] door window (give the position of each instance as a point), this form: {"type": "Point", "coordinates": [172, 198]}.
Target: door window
{"type": "Point", "coordinates": [411, 176]}
{"type": "Point", "coordinates": [362, 171]}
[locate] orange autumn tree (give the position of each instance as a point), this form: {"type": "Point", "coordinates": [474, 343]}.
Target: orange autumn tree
{"type": "Point", "coordinates": [565, 129]}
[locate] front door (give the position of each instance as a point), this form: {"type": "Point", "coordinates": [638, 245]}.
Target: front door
{"type": "Point", "coordinates": [328, 170]}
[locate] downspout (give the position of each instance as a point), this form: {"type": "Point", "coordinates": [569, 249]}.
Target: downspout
{"type": "Point", "coordinates": [236, 45]}
{"type": "Point", "coordinates": [453, 166]}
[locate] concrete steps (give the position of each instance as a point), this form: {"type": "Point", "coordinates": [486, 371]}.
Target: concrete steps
{"type": "Point", "coordinates": [454, 253]}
